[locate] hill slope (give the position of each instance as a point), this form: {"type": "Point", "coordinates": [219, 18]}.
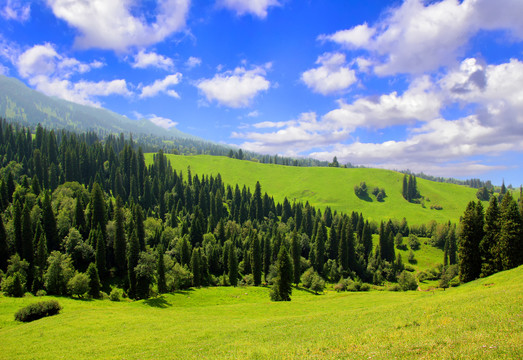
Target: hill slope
{"type": "Point", "coordinates": [334, 187]}
{"type": "Point", "coordinates": [482, 319]}
{"type": "Point", "coordinates": [20, 103]}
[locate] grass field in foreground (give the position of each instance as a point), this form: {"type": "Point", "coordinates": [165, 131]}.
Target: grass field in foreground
{"type": "Point", "coordinates": [482, 319]}
{"type": "Point", "coordinates": [334, 187]}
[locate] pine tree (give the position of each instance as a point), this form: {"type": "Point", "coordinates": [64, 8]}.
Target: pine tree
{"type": "Point", "coordinates": [267, 256]}
{"type": "Point", "coordinates": [470, 237]}
{"type": "Point", "coordinates": [17, 227]}
{"type": "Point", "coordinates": [296, 257]}
{"type": "Point", "coordinates": [195, 268]}
{"type": "Point", "coordinates": [321, 238]}
{"type": "Point", "coordinates": [132, 261]}
{"type": "Point", "coordinates": [49, 224]}
{"type": "Point", "coordinates": [4, 248]}
{"type": "Point", "coordinates": [97, 209]}
{"type": "Point", "coordinates": [256, 261]}
{"type": "Point", "coordinates": [452, 246]}
{"type": "Point", "coordinates": [405, 191]}
{"type": "Point", "coordinates": [119, 238]}
{"type": "Point", "coordinates": [101, 254]}
{"type": "Point", "coordinates": [79, 217]}
{"type": "Point", "coordinates": [282, 288]}
{"type": "Point", "coordinates": [94, 281]}
{"type": "Point", "coordinates": [160, 269]}
{"type": "Point", "coordinates": [490, 245]}
{"type": "Point", "coordinates": [40, 260]}
{"type": "Point", "coordinates": [511, 243]}
{"type": "Point", "coordinates": [233, 266]}
{"type": "Point", "coordinates": [140, 229]}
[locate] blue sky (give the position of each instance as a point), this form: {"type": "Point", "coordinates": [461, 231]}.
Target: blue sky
{"type": "Point", "coordinates": [432, 86]}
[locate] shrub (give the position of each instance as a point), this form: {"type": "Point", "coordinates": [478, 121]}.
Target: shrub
{"type": "Point", "coordinates": [365, 287]}
{"type": "Point", "coordinates": [41, 292]}
{"type": "Point", "coordinates": [411, 258]}
{"type": "Point", "coordinates": [306, 278]}
{"type": "Point", "coordinates": [318, 284]}
{"type": "Point", "coordinates": [341, 285]}
{"type": "Point", "coordinates": [115, 294]}
{"type": "Point", "coordinates": [413, 242]}
{"type": "Point", "coordinates": [407, 281]}
{"type": "Point", "coordinates": [353, 285]}
{"type": "Point", "coordinates": [79, 284]}
{"type": "Point", "coordinates": [182, 277]}
{"type": "Point", "coordinates": [38, 310]}
{"type": "Point", "coordinates": [394, 287]}
{"type": "Point", "coordinates": [247, 280]}
{"type": "Point", "coordinates": [12, 285]}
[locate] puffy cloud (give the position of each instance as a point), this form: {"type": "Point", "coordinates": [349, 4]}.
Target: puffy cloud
{"type": "Point", "coordinates": [162, 122]}
{"type": "Point", "coordinates": [331, 77]}
{"type": "Point", "coordinates": [254, 7]}
{"type": "Point", "coordinates": [16, 10]}
{"type": "Point", "coordinates": [162, 86]}
{"type": "Point", "coordinates": [419, 102]}
{"type": "Point", "coordinates": [144, 60]}
{"type": "Point", "coordinates": [418, 36]}
{"type": "Point", "coordinates": [49, 73]}
{"type": "Point", "coordinates": [193, 62]}
{"type": "Point", "coordinates": [235, 88]}
{"type": "Point", "coordinates": [111, 25]}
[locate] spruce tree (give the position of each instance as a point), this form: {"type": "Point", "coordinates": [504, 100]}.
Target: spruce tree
{"type": "Point", "coordinates": [452, 246]}
{"type": "Point", "coordinates": [256, 261]}
{"type": "Point", "coordinates": [94, 281]}
{"type": "Point", "coordinates": [49, 224]}
{"type": "Point", "coordinates": [267, 256]}
{"type": "Point", "coordinates": [470, 237]}
{"type": "Point", "coordinates": [282, 288]}
{"type": "Point", "coordinates": [321, 238]}
{"type": "Point", "coordinates": [162, 285]}
{"type": "Point", "coordinates": [79, 217]}
{"type": "Point", "coordinates": [511, 232]}
{"type": "Point", "coordinates": [195, 268]}
{"type": "Point", "coordinates": [40, 260]}
{"type": "Point", "coordinates": [4, 248]}
{"type": "Point", "coordinates": [296, 257]}
{"type": "Point", "coordinates": [17, 227]}
{"type": "Point", "coordinates": [101, 254]}
{"type": "Point", "coordinates": [343, 249]}
{"type": "Point", "coordinates": [98, 215]}
{"type": "Point", "coordinates": [490, 244]}
{"type": "Point", "coordinates": [233, 266]}
{"type": "Point", "coordinates": [132, 260]}
{"type": "Point", "coordinates": [119, 238]}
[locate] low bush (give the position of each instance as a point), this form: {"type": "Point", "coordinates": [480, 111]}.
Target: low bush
{"type": "Point", "coordinates": [38, 310]}
{"type": "Point", "coordinates": [116, 294]}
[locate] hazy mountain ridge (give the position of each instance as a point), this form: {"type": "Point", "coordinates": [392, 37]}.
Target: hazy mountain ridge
{"type": "Point", "coordinates": [20, 103]}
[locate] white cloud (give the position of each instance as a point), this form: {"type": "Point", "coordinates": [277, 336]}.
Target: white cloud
{"type": "Point", "coordinates": [418, 36]}
{"type": "Point", "coordinates": [16, 10]}
{"type": "Point", "coordinates": [235, 88]}
{"type": "Point", "coordinates": [193, 62]}
{"type": "Point", "coordinates": [254, 7]}
{"type": "Point", "coordinates": [144, 60]}
{"type": "Point", "coordinates": [331, 77]}
{"type": "Point", "coordinates": [254, 113]}
{"type": "Point", "coordinates": [162, 86]}
{"type": "Point", "coordinates": [111, 24]}
{"type": "Point", "coordinates": [162, 122]}
{"type": "Point", "coordinates": [49, 73]}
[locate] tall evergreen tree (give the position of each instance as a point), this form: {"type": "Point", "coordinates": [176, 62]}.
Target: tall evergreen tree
{"type": "Point", "coordinates": [101, 254]}
{"type": "Point", "coordinates": [267, 256]}
{"type": "Point", "coordinates": [98, 216]}
{"type": "Point", "coordinates": [256, 260]}
{"type": "Point", "coordinates": [94, 281]}
{"type": "Point", "coordinates": [17, 227]}
{"type": "Point", "coordinates": [282, 288]}
{"type": "Point", "coordinates": [470, 237]}
{"type": "Point", "coordinates": [511, 232]}
{"type": "Point", "coordinates": [132, 260]}
{"type": "Point", "coordinates": [321, 238]}
{"type": "Point", "coordinates": [4, 247]}
{"type": "Point", "coordinates": [139, 225]}
{"type": "Point", "coordinates": [233, 266]}
{"type": "Point", "coordinates": [452, 246]}
{"type": "Point", "coordinates": [195, 268]}
{"type": "Point", "coordinates": [119, 238]}
{"type": "Point", "coordinates": [40, 259]}
{"type": "Point", "coordinates": [343, 249]}
{"type": "Point", "coordinates": [79, 217]}
{"type": "Point", "coordinates": [296, 257]}
{"type": "Point", "coordinates": [490, 245]}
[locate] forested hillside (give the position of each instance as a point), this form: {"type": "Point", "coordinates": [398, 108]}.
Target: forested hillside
{"type": "Point", "coordinates": [79, 214]}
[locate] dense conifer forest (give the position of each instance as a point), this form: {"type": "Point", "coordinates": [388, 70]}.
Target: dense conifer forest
{"type": "Point", "coordinates": [81, 215]}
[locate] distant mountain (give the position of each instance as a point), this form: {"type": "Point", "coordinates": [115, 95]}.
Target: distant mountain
{"type": "Point", "coordinates": [20, 103]}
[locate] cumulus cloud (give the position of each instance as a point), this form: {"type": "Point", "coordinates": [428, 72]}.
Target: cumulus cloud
{"type": "Point", "coordinates": [418, 36]}
{"type": "Point", "coordinates": [162, 86]}
{"type": "Point", "coordinates": [50, 73]}
{"type": "Point", "coordinates": [144, 60]}
{"type": "Point", "coordinates": [16, 10]}
{"type": "Point", "coordinates": [111, 24]}
{"type": "Point", "coordinates": [331, 76]}
{"type": "Point", "coordinates": [255, 7]}
{"type": "Point", "coordinates": [236, 88]}
{"type": "Point", "coordinates": [193, 61]}
{"type": "Point", "coordinates": [162, 122]}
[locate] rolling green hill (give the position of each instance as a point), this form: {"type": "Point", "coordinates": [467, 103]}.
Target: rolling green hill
{"type": "Point", "coordinates": [478, 320]}
{"type": "Point", "coordinates": [334, 187]}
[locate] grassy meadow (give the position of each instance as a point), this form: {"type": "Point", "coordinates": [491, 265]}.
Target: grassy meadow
{"type": "Point", "coordinates": [479, 320]}
{"type": "Point", "coordinates": [334, 187]}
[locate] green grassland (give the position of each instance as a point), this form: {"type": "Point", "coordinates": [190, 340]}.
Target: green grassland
{"type": "Point", "coordinates": [334, 187]}
{"type": "Point", "coordinates": [482, 319]}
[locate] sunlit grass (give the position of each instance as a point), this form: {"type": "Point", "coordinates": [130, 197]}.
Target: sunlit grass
{"type": "Point", "coordinates": [483, 319]}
